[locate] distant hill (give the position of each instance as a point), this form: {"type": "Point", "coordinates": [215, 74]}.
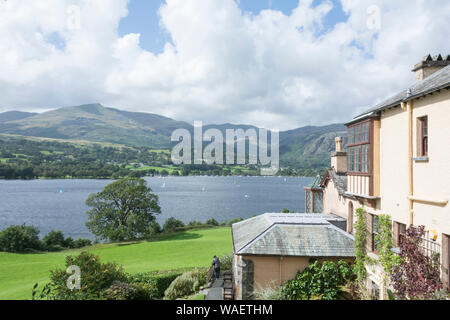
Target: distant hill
{"type": "Point", "coordinates": [15, 115]}
{"type": "Point", "coordinates": [94, 122]}
{"type": "Point", "coordinates": [304, 148]}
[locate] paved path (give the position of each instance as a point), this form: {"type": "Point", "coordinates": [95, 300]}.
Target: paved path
{"type": "Point", "coordinates": [216, 290]}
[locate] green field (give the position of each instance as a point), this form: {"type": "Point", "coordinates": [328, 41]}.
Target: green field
{"type": "Point", "coordinates": [19, 272]}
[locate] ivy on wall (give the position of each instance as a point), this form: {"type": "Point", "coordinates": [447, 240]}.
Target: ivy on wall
{"type": "Point", "coordinates": [360, 245]}
{"type": "Point", "coordinates": [385, 242]}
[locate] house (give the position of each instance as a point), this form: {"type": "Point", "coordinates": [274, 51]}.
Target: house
{"type": "Point", "coordinates": [272, 248]}
{"type": "Point", "coordinates": [397, 162]}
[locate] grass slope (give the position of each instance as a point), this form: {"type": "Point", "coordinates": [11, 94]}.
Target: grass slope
{"type": "Point", "coordinates": [19, 272]}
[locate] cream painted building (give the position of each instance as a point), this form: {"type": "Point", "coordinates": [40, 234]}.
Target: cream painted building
{"type": "Point", "coordinates": [397, 162]}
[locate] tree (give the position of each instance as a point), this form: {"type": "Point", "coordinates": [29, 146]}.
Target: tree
{"type": "Point", "coordinates": [212, 222]}
{"type": "Point", "coordinates": [19, 238]}
{"type": "Point", "coordinates": [53, 238]}
{"type": "Point", "coordinates": [418, 276]}
{"type": "Point", "coordinates": [123, 211]}
{"type": "Point", "coordinates": [285, 210]}
{"type": "Point", "coordinates": [172, 225]}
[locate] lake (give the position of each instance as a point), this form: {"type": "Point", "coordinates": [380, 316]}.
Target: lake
{"type": "Point", "coordinates": [60, 204]}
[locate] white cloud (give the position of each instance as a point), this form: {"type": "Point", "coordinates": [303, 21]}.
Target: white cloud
{"type": "Point", "coordinates": [224, 65]}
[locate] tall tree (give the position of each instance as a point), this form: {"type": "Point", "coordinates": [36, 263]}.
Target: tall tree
{"type": "Point", "coordinates": [123, 210]}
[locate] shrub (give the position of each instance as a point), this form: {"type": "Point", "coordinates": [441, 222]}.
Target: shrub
{"type": "Point", "coordinates": [269, 292]}
{"type": "Point", "coordinates": [186, 284]}
{"type": "Point", "coordinates": [53, 239]}
{"type": "Point", "coordinates": [126, 291]}
{"type": "Point", "coordinates": [96, 277]}
{"type": "Point", "coordinates": [418, 276]}
{"type": "Point", "coordinates": [212, 222]}
{"type": "Point", "coordinates": [319, 281]}
{"type": "Point", "coordinates": [80, 243]}
{"type": "Point", "coordinates": [226, 262]}
{"type": "Point", "coordinates": [69, 243]}
{"type": "Point", "coordinates": [154, 229]}
{"type": "Point", "coordinates": [156, 282]}
{"type": "Point", "coordinates": [19, 239]}
{"type": "Point", "coordinates": [172, 225]}
{"type": "Point", "coordinates": [194, 224]}
{"type": "Point", "coordinates": [120, 291]}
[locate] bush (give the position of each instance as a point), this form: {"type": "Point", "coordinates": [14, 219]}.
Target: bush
{"type": "Point", "coordinates": [120, 291]}
{"type": "Point", "coordinates": [156, 282]}
{"type": "Point", "coordinates": [69, 242]}
{"type": "Point", "coordinates": [80, 243]}
{"type": "Point", "coordinates": [53, 239]}
{"type": "Point", "coordinates": [418, 276]}
{"type": "Point", "coordinates": [96, 277]}
{"type": "Point", "coordinates": [226, 262]}
{"type": "Point", "coordinates": [172, 225]}
{"type": "Point", "coordinates": [153, 230]}
{"type": "Point", "coordinates": [268, 293]}
{"type": "Point", "coordinates": [194, 224]}
{"type": "Point", "coordinates": [319, 281]}
{"type": "Point", "coordinates": [126, 291]}
{"type": "Point", "coordinates": [19, 239]}
{"type": "Point", "coordinates": [186, 284]}
{"type": "Point", "coordinates": [212, 222]}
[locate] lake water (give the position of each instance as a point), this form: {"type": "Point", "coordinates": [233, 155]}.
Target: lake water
{"type": "Point", "coordinates": [60, 204]}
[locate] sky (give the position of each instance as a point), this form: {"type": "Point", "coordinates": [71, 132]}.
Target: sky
{"type": "Point", "coordinates": [279, 64]}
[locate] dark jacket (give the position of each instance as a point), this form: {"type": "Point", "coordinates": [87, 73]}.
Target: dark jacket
{"type": "Point", "coordinates": [216, 263]}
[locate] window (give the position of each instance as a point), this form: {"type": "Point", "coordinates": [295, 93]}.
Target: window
{"type": "Point", "coordinates": [358, 148]}
{"type": "Point", "coordinates": [351, 159]}
{"type": "Point", "coordinates": [423, 137]}
{"type": "Point", "coordinates": [399, 231]}
{"type": "Point", "coordinates": [318, 202]}
{"type": "Point", "coordinates": [308, 201]}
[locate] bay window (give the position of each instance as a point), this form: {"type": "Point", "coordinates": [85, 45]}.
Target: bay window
{"type": "Point", "coordinates": [358, 148]}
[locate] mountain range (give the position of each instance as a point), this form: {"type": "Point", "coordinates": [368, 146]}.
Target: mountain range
{"type": "Point", "coordinates": [306, 147]}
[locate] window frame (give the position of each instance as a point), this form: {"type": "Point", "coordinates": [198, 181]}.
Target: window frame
{"type": "Point", "coordinates": [423, 136]}
{"type": "Point", "coordinates": [361, 145]}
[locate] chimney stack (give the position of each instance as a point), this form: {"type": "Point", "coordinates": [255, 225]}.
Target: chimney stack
{"type": "Point", "coordinates": [429, 65]}
{"type": "Point", "coordinates": [339, 158]}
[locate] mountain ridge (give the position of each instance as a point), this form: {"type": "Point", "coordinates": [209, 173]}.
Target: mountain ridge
{"type": "Point", "coordinates": [308, 146]}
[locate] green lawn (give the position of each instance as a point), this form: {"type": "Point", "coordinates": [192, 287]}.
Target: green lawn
{"type": "Point", "coordinates": [19, 272]}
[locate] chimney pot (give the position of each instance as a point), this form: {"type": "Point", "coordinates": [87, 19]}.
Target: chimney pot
{"type": "Point", "coordinates": [338, 141]}
{"type": "Point", "coordinates": [430, 65]}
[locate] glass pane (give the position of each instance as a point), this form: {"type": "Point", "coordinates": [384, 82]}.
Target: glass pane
{"type": "Point", "coordinates": [357, 159]}
{"type": "Point", "coordinates": [308, 202]}
{"type": "Point", "coordinates": [365, 158]}
{"type": "Point", "coordinates": [350, 136]}
{"type": "Point", "coordinates": [366, 132]}
{"type": "Point", "coordinates": [350, 159]}
{"type": "Point", "coordinates": [357, 134]}
{"type": "Point", "coordinates": [318, 202]}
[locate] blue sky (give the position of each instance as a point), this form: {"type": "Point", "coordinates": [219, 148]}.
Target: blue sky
{"type": "Point", "coordinates": [143, 18]}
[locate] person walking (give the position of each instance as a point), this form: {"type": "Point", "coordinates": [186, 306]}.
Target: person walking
{"type": "Point", "coordinates": [216, 264]}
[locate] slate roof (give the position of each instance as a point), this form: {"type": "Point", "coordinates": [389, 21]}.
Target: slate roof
{"type": "Point", "coordinates": [301, 235]}
{"type": "Point", "coordinates": [339, 180]}
{"type": "Point", "coordinates": [437, 81]}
